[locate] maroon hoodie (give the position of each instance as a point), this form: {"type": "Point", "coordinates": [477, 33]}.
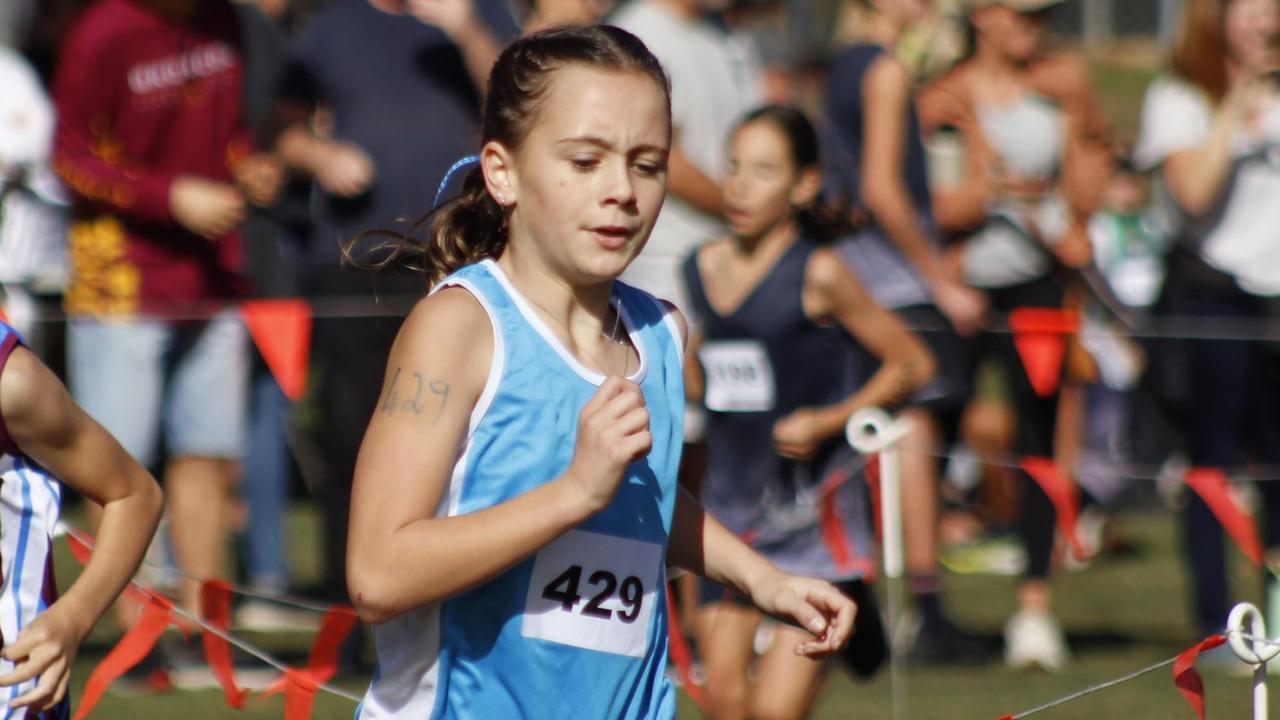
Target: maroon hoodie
{"type": "Point", "coordinates": [141, 100]}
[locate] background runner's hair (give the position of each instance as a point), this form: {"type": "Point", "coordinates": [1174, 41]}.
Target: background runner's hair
{"type": "Point", "coordinates": [819, 220]}
{"type": "Point", "coordinates": [473, 226]}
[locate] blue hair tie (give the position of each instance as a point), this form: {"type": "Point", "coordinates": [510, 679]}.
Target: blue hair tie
{"type": "Point", "coordinates": [468, 160]}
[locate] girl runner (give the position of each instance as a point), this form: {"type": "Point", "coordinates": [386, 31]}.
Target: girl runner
{"type": "Point", "coordinates": [776, 312]}
{"type": "Point", "coordinates": [515, 497]}
{"type": "Point", "coordinates": [44, 435]}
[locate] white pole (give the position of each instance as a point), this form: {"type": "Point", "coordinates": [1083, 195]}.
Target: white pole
{"type": "Point", "coordinates": [872, 431]}
{"type": "Point", "coordinates": [1256, 652]}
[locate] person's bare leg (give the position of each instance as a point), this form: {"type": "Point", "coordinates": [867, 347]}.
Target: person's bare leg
{"type": "Point", "coordinates": [726, 633]}
{"type": "Point", "coordinates": [919, 463]}
{"type": "Point", "coordinates": [197, 496]}
{"type": "Point", "coordinates": [786, 684]}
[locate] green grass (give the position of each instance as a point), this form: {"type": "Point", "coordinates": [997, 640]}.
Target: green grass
{"type": "Point", "coordinates": [1121, 614]}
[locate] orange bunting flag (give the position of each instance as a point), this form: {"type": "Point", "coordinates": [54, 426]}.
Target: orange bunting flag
{"type": "Point", "coordinates": [1212, 487]}
{"type": "Point", "coordinates": [134, 646]}
{"type": "Point", "coordinates": [1186, 677]}
{"type": "Point", "coordinates": [215, 605]}
{"type": "Point", "coordinates": [681, 655]}
{"type": "Point", "coordinates": [1040, 335]}
{"type": "Point", "coordinates": [282, 331]}
{"type": "Point", "coordinates": [299, 694]}
{"type": "Point", "coordinates": [1062, 493]}
{"type": "Point", "coordinates": [4, 316]}
{"type": "Point", "coordinates": [322, 662]}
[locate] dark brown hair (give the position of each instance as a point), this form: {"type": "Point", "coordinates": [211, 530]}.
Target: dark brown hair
{"type": "Point", "coordinates": [1200, 49]}
{"type": "Point", "coordinates": [819, 220]}
{"type": "Point", "coordinates": [473, 226]}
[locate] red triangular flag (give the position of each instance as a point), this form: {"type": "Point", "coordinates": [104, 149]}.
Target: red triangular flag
{"type": "Point", "coordinates": [299, 694]}
{"type": "Point", "coordinates": [1062, 493]}
{"type": "Point", "coordinates": [4, 316]}
{"type": "Point", "coordinates": [215, 605]}
{"type": "Point", "coordinates": [681, 655]}
{"type": "Point", "coordinates": [322, 662]}
{"type": "Point", "coordinates": [134, 646]}
{"type": "Point", "coordinates": [282, 331]}
{"type": "Point", "coordinates": [1211, 485]}
{"type": "Point", "coordinates": [1186, 677]}
{"type": "Point", "coordinates": [1040, 335]}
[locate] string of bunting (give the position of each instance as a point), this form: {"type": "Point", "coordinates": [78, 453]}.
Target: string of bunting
{"type": "Point", "coordinates": [299, 685]}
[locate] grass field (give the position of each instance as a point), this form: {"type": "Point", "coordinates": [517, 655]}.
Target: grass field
{"type": "Point", "coordinates": [1121, 614]}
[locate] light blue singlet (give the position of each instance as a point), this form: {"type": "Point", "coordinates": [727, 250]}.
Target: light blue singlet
{"type": "Point", "coordinates": [578, 630]}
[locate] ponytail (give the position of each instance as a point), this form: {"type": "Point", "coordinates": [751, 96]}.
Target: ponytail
{"type": "Point", "coordinates": [464, 230]}
{"type": "Point", "coordinates": [473, 226]}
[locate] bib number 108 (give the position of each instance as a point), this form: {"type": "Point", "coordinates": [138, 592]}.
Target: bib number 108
{"type": "Point", "coordinates": [564, 589]}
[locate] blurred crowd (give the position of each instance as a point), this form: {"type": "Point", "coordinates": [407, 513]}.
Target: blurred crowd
{"type": "Point", "coordinates": [163, 160]}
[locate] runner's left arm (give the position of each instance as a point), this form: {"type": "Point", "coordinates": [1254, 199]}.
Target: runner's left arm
{"type": "Point", "coordinates": [52, 430]}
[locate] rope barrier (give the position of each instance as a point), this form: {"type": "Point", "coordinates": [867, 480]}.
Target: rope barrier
{"type": "Point", "coordinates": [1172, 327]}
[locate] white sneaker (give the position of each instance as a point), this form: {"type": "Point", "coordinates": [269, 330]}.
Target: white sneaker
{"type": "Point", "coordinates": [1034, 639]}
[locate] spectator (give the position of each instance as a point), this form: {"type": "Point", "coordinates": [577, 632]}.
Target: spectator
{"type": "Point", "coordinates": [33, 204]}
{"type": "Point", "coordinates": [875, 129]}
{"type": "Point", "coordinates": [1035, 158]}
{"type": "Point", "coordinates": [272, 239]}
{"type": "Point", "coordinates": [151, 141]}
{"type": "Point", "coordinates": [400, 83]}
{"type": "Point", "coordinates": [1211, 131]}
{"type": "Point", "coordinates": [713, 85]}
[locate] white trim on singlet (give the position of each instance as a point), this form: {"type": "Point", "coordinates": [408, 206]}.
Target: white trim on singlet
{"type": "Point", "coordinates": [415, 652]}
{"type": "Point", "coordinates": [668, 315]}
{"type": "Point", "coordinates": [537, 323]}
{"type": "Point", "coordinates": [497, 367]}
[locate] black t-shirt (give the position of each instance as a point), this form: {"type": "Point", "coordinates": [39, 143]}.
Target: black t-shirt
{"type": "Point", "coordinates": [397, 88]}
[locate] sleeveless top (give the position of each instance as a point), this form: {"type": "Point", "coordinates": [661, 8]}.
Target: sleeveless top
{"type": "Point", "coordinates": [1029, 136]}
{"type": "Point", "coordinates": [762, 361]}
{"type": "Point", "coordinates": [578, 629]}
{"type": "Point", "coordinates": [889, 277]}
{"type": "Point", "coordinates": [30, 501]}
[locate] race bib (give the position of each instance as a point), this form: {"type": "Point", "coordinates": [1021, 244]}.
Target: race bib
{"type": "Point", "coordinates": [739, 376]}
{"type": "Point", "coordinates": [593, 591]}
